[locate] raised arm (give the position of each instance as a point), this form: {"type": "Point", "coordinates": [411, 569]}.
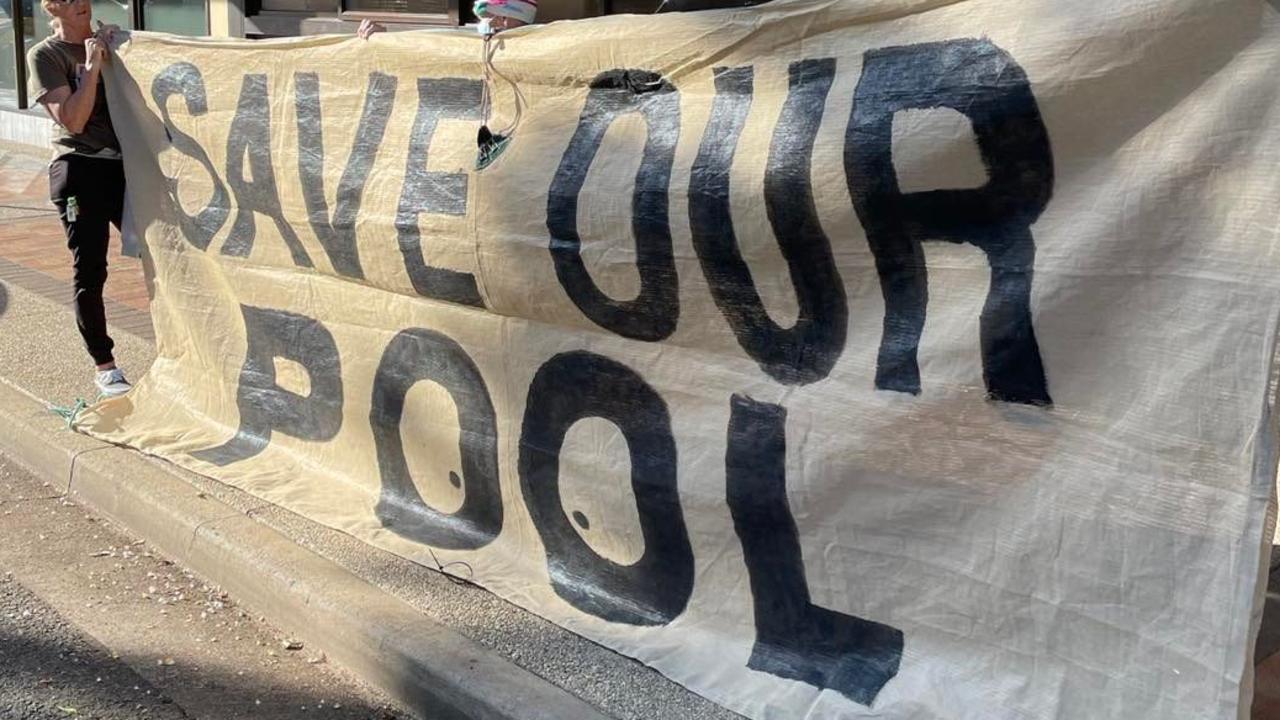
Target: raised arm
{"type": "Point", "coordinates": [69, 109]}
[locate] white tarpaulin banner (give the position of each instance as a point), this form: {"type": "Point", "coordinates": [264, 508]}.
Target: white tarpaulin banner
{"type": "Point", "coordinates": [859, 358]}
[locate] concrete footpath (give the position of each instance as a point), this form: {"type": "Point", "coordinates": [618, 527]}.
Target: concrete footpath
{"type": "Point", "coordinates": [442, 649]}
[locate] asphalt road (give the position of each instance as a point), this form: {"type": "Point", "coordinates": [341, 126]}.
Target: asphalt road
{"type": "Point", "coordinates": [96, 624]}
{"type": "Point", "coordinates": [51, 669]}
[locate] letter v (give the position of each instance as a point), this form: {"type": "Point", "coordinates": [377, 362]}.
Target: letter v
{"type": "Point", "coordinates": [337, 233]}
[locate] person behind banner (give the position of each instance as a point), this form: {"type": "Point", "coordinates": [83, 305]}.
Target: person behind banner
{"type": "Point", "coordinates": [494, 15]}
{"type": "Point", "coordinates": [86, 176]}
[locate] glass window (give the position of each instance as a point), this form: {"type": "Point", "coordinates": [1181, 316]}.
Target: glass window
{"type": "Point", "coordinates": [36, 27]}
{"type": "Point", "coordinates": [180, 17]}
{"type": "Point", "coordinates": [9, 74]}
{"type": "Point", "coordinates": [110, 12]}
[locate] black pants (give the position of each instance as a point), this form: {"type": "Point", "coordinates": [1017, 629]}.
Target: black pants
{"type": "Point", "coordinates": [89, 193]}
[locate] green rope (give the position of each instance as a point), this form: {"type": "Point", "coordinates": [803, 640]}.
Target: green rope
{"type": "Point", "coordinates": [490, 150]}
{"type": "Point", "coordinates": [72, 414]}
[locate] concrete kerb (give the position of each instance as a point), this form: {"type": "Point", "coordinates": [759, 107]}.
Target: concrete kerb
{"type": "Point", "coordinates": [430, 668]}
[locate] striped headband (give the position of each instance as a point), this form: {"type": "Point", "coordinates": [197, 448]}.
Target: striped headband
{"type": "Point", "coordinates": [523, 10]}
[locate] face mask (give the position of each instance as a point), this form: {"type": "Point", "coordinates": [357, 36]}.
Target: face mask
{"type": "Point", "coordinates": [484, 27]}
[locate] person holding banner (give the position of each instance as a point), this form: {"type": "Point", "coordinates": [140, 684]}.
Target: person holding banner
{"type": "Point", "coordinates": [86, 176]}
{"type": "Point", "coordinates": [495, 16]}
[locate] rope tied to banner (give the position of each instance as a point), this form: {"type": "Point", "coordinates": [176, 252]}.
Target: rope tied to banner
{"type": "Point", "coordinates": [492, 144]}
{"type": "Point", "coordinates": [70, 414]}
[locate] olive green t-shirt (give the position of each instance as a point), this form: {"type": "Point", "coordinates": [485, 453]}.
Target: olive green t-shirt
{"type": "Point", "coordinates": [54, 63]}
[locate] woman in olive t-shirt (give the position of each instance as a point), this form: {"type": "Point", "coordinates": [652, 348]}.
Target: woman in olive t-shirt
{"type": "Point", "coordinates": [86, 177]}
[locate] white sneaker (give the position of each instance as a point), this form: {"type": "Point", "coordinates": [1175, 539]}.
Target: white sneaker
{"type": "Point", "coordinates": [111, 382]}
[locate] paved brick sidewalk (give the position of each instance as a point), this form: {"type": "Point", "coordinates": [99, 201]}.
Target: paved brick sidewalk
{"type": "Point", "coordinates": [33, 252]}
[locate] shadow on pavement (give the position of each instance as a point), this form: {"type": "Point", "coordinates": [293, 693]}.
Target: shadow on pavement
{"type": "Point", "coordinates": [4, 299]}
{"type": "Point", "coordinates": [50, 668]}
{"type": "Point", "coordinates": [52, 672]}
{"type": "Point", "coordinates": [48, 673]}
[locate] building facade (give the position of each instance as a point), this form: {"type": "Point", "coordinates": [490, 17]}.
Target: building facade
{"type": "Point", "coordinates": [23, 23]}
{"type": "Point", "coordinates": [283, 18]}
